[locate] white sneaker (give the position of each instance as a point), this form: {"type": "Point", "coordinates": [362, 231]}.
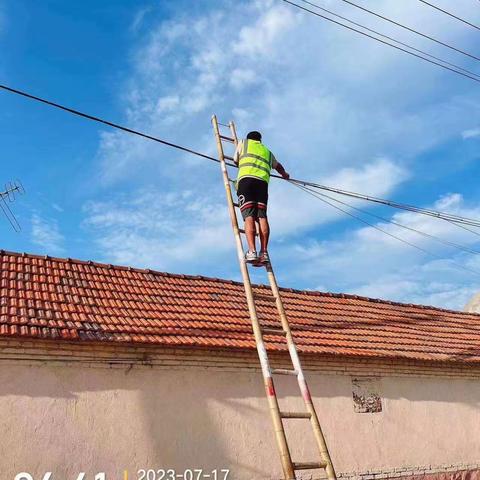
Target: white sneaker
{"type": "Point", "coordinates": [251, 257]}
{"type": "Point", "coordinates": [264, 258]}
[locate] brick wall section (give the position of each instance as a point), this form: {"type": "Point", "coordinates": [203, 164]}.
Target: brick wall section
{"type": "Point", "coordinates": [461, 471]}
{"type": "Point", "coordinates": [121, 356]}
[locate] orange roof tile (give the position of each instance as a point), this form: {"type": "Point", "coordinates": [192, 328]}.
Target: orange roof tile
{"type": "Point", "coordinates": [65, 299]}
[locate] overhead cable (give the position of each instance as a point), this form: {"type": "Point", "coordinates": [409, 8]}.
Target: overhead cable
{"type": "Point", "coordinates": [450, 14]}
{"type": "Point", "coordinates": [463, 227]}
{"type": "Point", "coordinates": [105, 122]}
{"type": "Point", "coordinates": [390, 203]}
{"type": "Point", "coordinates": [383, 41]}
{"type": "Point", "coordinates": [401, 225]}
{"type": "Point", "coordinates": [10, 215]}
{"type": "Point", "coordinates": [360, 219]}
{"type": "Point", "coordinates": [401, 25]}
{"type": "Point", "coordinates": [423, 52]}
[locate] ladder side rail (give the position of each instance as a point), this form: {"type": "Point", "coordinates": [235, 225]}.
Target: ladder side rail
{"type": "Point", "coordinates": [307, 398]}
{"type": "Point", "coordinates": [233, 131]}
{"type": "Point", "coordinates": [274, 408]}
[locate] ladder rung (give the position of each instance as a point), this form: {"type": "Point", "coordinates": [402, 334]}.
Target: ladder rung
{"type": "Point", "coordinates": [259, 296]}
{"type": "Point", "coordinates": [284, 371]}
{"type": "Point", "coordinates": [235, 204]}
{"type": "Point", "coordinates": [295, 415]}
{"type": "Point", "coordinates": [308, 465]}
{"type": "Point", "coordinates": [227, 139]}
{"type": "Point", "coordinates": [227, 157]}
{"type": "Point", "coordinates": [272, 331]}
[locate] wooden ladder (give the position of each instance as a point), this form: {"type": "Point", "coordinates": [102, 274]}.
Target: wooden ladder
{"type": "Point", "coordinates": [278, 417]}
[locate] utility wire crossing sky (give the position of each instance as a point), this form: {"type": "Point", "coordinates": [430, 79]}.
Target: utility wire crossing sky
{"type": "Point", "coordinates": [423, 52]}
{"type": "Point", "coordinates": [412, 208]}
{"type": "Point", "coordinates": [471, 77]}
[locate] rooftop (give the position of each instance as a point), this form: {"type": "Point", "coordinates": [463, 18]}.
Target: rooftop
{"type": "Point", "coordinates": [72, 300]}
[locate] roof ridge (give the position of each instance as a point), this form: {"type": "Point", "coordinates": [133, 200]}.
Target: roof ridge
{"type": "Point", "coordinates": [119, 267]}
{"type": "Point", "coordinates": [232, 282]}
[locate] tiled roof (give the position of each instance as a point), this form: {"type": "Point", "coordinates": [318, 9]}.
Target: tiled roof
{"type": "Point", "coordinates": [64, 299]}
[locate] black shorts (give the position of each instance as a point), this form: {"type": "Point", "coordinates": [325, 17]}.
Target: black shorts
{"type": "Point", "coordinates": [252, 197]}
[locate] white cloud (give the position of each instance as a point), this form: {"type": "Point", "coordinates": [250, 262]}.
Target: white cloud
{"type": "Point", "coordinates": [471, 133]}
{"type": "Point", "coordinates": [260, 38]}
{"type": "Point", "coordinates": [46, 234]}
{"type": "Point", "coordinates": [184, 230]}
{"type": "Point", "coordinates": [57, 207]}
{"type": "Point", "coordinates": [144, 229]}
{"type": "Point", "coordinates": [318, 94]}
{"type": "Point", "coordinates": [242, 78]}
{"type": "Point", "coordinates": [167, 104]}
{"type": "Point", "coordinates": [139, 18]}
{"type": "Point", "coordinates": [426, 291]}
{"type": "Point", "coordinates": [367, 262]}
{"type": "Point", "coordinates": [379, 177]}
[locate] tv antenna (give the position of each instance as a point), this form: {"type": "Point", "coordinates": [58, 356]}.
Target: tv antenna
{"type": "Point", "coordinates": [12, 190]}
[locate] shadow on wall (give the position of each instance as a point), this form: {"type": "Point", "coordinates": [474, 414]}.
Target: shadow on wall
{"type": "Point", "coordinates": [142, 418]}
{"type": "Point", "coordinates": [73, 419]}
{"type": "Point", "coordinates": [55, 381]}
{"type": "Point", "coordinates": [210, 419]}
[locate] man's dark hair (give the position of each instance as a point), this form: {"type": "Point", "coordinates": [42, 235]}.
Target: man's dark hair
{"type": "Point", "coordinates": [254, 136]}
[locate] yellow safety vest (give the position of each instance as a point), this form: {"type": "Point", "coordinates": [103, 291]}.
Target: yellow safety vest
{"type": "Point", "coordinates": [255, 161]}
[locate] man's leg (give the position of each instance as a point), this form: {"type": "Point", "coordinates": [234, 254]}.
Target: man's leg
{"type": "Point", "coordinates": [250, 232]}
{"type": "Point", "coordinates": [264, 233]}
{"type": "Point", "coordinates": [264, 227]}
{"type": "Point", "coordinates": [248, 207]}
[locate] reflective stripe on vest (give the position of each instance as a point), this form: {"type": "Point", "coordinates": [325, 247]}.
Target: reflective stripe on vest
{"type": "Point", "coordinates": [255, 161]}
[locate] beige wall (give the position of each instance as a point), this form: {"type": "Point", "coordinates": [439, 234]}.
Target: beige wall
{"type": "Point", "coordinates": [71, 416]}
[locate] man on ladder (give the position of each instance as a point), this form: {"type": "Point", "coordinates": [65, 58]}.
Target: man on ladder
{"type": "Point", "coordinates": [255, 162]}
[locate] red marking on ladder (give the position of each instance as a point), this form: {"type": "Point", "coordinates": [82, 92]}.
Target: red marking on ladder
{"type": "Point", "coordinates": [270, 388]}
{"type": "Point", "coordinates": [306, 393]}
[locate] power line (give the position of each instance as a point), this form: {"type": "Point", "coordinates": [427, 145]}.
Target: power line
{"type": "Point", "coordinates": [390, 38]}
{"type": "Point", "coordinates": [9, 215]}
{"type": "Point", "coordinates": [390, 203]}
{"type": "Point", "coordinates": [10, 193]}
{"type": "Point", "coordinates": [431, 254]}
{"type": "Point", "coordinates": [398, 224]}
{"type": "Point", "coordinates": [450, 14]}
{"type": "Point", "coordinates": [463, 227]}
{"type": "Point", "coordinates": [398, 24]}
{"type": "Point", "coordinates": [381, 41]}
{"type": "Point", "coordinates": [105, 122]}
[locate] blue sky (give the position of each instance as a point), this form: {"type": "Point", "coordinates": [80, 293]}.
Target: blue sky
{"type": "Point", "coordinates": [334, 107]}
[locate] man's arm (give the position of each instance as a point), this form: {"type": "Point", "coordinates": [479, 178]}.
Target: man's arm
{"type": "Point", "coordinates": [282, 171]}
{"type": "Point", "coordinates": [279, 168]}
